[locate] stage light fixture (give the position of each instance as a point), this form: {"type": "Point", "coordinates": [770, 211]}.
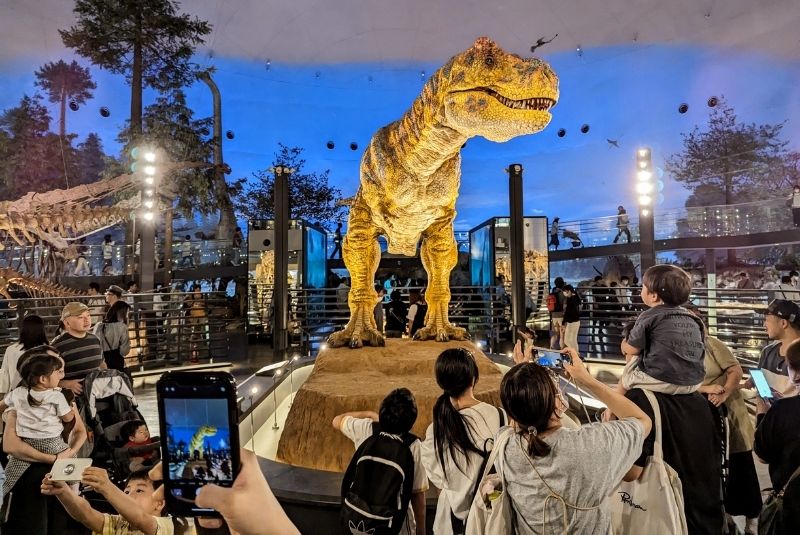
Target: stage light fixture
{"type": "Point", "coordinates": [713, 101]}
{"type": "Point", "coordinates": [73, 105]}
{"type": "Point", "coordinates": [150, 157]}
{"type": "Point", "coordinates": [683, 108]}
{"type": "Point", "coordinates": [643, 153]}
{"type": "Point", "coordinates": [645, 200]}
{"type": "Point", "coordinates": [561, 132]}
{"type": "Point", "coordinates": [642, 165]}
{"type": "Point", "coordinates": [105, 112]}
{"type": "Point", "coordinates": [148, 204]}
{"type": "Point", "coordinates": [149, 180]}
{"type": "Point", "coordinates": [585, 129]}
{"type": "Point", "coordinates": [644, 175]}
{"type": "Point", "coordinates": [353, 146]}
{"type": "Point", "coordinates": [148, 216]}
{"type": "Point", "coordinates": [645, 212]}
{"type": "Point", "coordinates": [330, 145]}
{"type": "Point", "coordinates": [148, 192]}
{"type": "Point", "coordinates": [644, 188]}
{"type": "Point", "coordinates": [149, 170]}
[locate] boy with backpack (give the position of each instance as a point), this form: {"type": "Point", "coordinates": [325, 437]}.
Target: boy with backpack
{"type": "Point", "coordinates": [383, 490]}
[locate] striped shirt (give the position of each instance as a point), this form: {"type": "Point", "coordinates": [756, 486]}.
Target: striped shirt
{"type": "Point", "coordinates": [81, 355]}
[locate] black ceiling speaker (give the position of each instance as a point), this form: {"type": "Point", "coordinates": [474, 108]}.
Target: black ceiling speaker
{"type": "Point", "coordinates": [561, 132]}
{"type": "Point", "coordinates": [585, 129]}
{"type": "Point", "coordinates": [105, 112]}
{"type": "Point", "coordinates": [73, 105]}
{"type": "Point", "coordinates": [330, 145]}
{"type": "Point", "coordinates": [353, 146]}
{"type": "Point", "coordinates": [229, 134]}
{"type": "Point", "coordinates": [713, 101]}
{"type": "Point", "coordinates": [683, 108]}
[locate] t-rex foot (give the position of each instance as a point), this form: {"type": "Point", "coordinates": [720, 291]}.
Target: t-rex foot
{"type": "Point", "coordinates": [442, 334]}
{"type": "Point", "coordinates": [359, 330]}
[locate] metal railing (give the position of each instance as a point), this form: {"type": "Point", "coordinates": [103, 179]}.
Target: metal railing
{"type": "Point", "coordinates": [741, 219]}
{"type": "Point", "coordinates": [734, 316]}
{"type": "Point", "coordinates": [88, 260]}
{"type": "Point", "coordinates": [316, 313]}
{"type": "Point", "coordinates": [163, 327]}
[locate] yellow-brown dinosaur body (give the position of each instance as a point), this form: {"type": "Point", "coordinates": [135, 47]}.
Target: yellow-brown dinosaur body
{"type": "Point", "coordinates": [411, 172]}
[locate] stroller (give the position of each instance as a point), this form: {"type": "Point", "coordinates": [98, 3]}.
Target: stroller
{"type": "Point", "coordinates": [573, 237]}
{"type": "Point", "coordinates": [109, 405]}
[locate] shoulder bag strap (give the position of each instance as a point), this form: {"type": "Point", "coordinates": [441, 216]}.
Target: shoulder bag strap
{"type": "Point", "coordinates": [657, 450]}
{"type": "Point", "coordinates": [794, 476]}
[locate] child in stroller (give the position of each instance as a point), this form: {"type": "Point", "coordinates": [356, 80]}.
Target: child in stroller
{"type": "Point", "coordinates": [573, 237]}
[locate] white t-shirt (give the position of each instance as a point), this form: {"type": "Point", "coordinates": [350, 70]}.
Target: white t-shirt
{"type": "Point", "coordinates": [38, 421]}
{"type": "Point", "coordinates": [360, 429]}
{"type": "Point", "coordinates": [9, 376]}
{"type": "Point", "coordinates": [412, 312]}
{"type": "Point", "coordinates": [456, 495]}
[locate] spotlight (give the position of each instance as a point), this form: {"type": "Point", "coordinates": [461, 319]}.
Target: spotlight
{"type": "Point", "coordinates": [149, 170]}
{"type": "Point", "coordinates": [149, 181]}
{"type": "Point", "coordinates": [229, 134]}
{"type": "Point", "coordinates": [422, 75]}
{"type": "Point", "coordinates": [644, 175]}
{"type": "Point", "coordinates": [642, 165]}
{"type": "Point", "coordinates": [323, 347]}
{"type": "Point", "coordinates": [353, 146]}
{"type": "Point", "coordinates": [579, 50]}
{"type": "Point", "coordinates": [585, 129]}
{"type": "Point", "coordinates": [330, 145]}
{"type": "Point", "coordinates": [561, 132]}
{"type": "Point", "coordinates": [149, 156]}
{"type": "Point", "coordinates": [644, 188]}
{"type": "Point", "coordinates": [148, 216]}
{"type": "Point", "coordinates": [645, 212]}
{"type": "Point", "coordinates": [148, 192]}
{"type": "Point", "coordinates": [713, 101]}
{"type": "Point", "coordinates": [645, 200]}
{"type": "Point", "coordinates": [683, 108]}
{"type": "Point", "coordinates": [105, 112]}
{"type": "Point", "coordinates": [73, 105]}
{"type": "Point", "coordinates": [254, 390]}
{"type": "Point", "coordinates": [148, 204]}
{"type": "Point", "coordinates": [643, 153]}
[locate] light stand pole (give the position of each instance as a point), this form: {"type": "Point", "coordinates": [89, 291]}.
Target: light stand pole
{"type": "Point", "coordinates": [645, 188]}
{"type": "Point", "coordinates": [280, 288]}
{"type": "Point", "coordinates": [291, 378]}
{"type": "Point", "coordinates": [517, 245]}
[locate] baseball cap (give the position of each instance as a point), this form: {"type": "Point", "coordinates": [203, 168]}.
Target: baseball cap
{"type": "Point", "coordinates": [73, 308]}
{"type": "Point", "coordinates": [785, 309]}
{"type": "Point", "coordinates": [116, 290]}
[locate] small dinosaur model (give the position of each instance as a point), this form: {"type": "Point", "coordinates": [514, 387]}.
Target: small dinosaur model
{"type": "Point", "coordinates": [411, 172]}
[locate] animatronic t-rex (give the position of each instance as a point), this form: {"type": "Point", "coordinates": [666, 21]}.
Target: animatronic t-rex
{"type": "Point", "coordinates": [411, 171]}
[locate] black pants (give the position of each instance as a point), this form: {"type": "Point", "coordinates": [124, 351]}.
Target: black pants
{"type": "Point", "coordinates": [30, 512]}
{"type": "Point", "coordinates": [337, 250]}
{"type": "Point", "coordinates": [796, 216]}
{"type": "Point", "coordinates": [623, 230]}
{"type": "Point", "coordinates": [744, 493]}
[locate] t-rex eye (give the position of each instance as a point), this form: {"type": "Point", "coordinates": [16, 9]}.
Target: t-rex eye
{"type": "Point", "coordinates": [489, 61]}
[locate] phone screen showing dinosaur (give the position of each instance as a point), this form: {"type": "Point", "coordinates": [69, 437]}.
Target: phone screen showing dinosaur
{"type": "Point", "coordinates": [198, 444]}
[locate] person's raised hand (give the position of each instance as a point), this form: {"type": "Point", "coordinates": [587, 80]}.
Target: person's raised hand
{"type": "Point", "coordinates": [246, 504]}
{"type": "Point", "coordinates": [522, 355]}
{"type": "Point", "coordinates": [575, 367]}
{"type": "Point", "coordinates": [97, 478]}
{"type": "Point", "coordinates": [52, 488]}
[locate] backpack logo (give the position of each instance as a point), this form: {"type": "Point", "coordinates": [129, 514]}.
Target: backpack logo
{"type": "Point", "coordinates": [360, 529]}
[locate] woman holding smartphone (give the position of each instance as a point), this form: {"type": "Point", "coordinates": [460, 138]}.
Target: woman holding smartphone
{"type": "Point", "coordinates": [551, 481]}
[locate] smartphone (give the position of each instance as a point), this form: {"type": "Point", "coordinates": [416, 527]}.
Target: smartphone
{"type": "Point", "coordinates": [199, 422]}
{"type": "Point", "coordinates": [549, 358]}
{"type": "Point", "coordinates": [762, 386]}
{"type": "Point", "coordinates": [69, 469]}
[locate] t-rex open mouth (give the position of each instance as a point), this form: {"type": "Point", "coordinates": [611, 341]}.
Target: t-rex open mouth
{"type": "Point", "coordinates": [539, 103]}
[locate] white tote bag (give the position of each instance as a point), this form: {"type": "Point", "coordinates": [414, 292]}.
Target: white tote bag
{"type": "Point", "coordinates": [652, 504]}
{"type": "Point", "coordinates": [496, 517]}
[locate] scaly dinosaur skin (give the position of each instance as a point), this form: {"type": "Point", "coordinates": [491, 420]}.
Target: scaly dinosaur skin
{"type": "Point", "coordinates": [200, 437]}
{"type": "Point", "coordinates": [411, 172]}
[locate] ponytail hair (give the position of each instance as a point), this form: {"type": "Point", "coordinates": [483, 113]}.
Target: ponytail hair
{"type": "Point", "coordinates": [456, 371]}
{"type": "Point", "coordinates": [36, 362]}
{"type": "Point", "coordinates": [528, 394]}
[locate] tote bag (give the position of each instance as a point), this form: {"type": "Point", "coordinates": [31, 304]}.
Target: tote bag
{"type": "Point", "coordinates": [652, 504]}
{"type": "Point", "coordinates": [494, 518]}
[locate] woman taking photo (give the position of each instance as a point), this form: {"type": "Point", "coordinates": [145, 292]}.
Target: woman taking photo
{"type": "Point", "coordinates": [31, 334]}
{"type": "Point", "coordinates": [558, 478]}
{"type": "Point", "coordinates": [113, 335]}
{"type": "Point", "coordinates": [458, 440]}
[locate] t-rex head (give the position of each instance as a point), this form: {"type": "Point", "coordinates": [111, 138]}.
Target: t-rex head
{"type": "Point", "coordinates": [488, 92]}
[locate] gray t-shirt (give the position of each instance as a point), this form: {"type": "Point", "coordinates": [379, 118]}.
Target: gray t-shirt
{"type": "Point", "coordinates": [584, 467]}
{"type": "Point", "coordinates": [671, 343]}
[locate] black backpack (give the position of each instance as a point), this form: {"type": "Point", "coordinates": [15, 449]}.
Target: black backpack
{"type": "Point", "coordinates": [377, 485]}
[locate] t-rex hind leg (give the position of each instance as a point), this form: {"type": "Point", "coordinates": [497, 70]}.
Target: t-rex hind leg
{"type": "Point", "coordinates": [361, 254]}
{"type": "Point", "coordinates": [439, 256]}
